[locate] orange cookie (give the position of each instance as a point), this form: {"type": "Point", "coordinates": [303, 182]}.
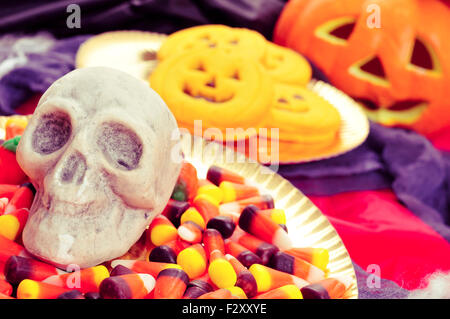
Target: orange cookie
{"type": "Point", "coordinates": [285, 65]}
{"type": "Point", "coordinates": [302, 116]}
{"type": "Point", "coordinates": [243, 41]}
{"type": "Point", "coordinates": [223, 90]}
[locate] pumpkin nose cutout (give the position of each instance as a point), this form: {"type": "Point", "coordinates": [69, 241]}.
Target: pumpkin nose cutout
{"type": "Point", "coordinates": [211, 83]}
{"type": "Point", "coordinates": [74, 169]}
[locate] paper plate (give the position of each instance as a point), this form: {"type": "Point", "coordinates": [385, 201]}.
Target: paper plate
{"type": "Point", "coordinates": [307, 226]}
{"type": "Point", "coordinates": [133, 52]}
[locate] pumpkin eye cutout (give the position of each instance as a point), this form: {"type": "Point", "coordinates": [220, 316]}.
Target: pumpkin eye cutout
{"type": "Point", "coordinates": [423, 58]}
{"type": "Point", "coordinates": [337, 31]}
{"type": "Point", "coordinates": [370, 70]}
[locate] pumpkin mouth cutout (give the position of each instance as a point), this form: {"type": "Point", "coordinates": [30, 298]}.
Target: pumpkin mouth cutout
{"type": "Point", "coordinates": [209, 93]}
{"type": "Point", "coordinates": [402, 112]}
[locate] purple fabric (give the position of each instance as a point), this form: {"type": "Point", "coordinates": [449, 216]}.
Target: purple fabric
{"type": "Point", "coordinates": [39, 72]}
{"type": "Point", "coordinates": [390, 158]}
{"type": "Point", "coordinates": [386, 289]}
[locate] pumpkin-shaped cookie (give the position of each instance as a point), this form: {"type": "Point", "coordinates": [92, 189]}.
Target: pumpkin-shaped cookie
{"type": "Point", "coordinates": [302, 116]}
{"type": "Point", "coordinates": [285, 65]}
{"type": "Point", "coordinates": [223, 90]}
{"type": "Point", "coordinates": [243, 41]}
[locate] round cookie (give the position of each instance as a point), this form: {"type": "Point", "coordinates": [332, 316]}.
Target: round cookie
{"type": "Point", "coordinates": [302, 116]}
{"type": "Point", "coordinates": [223, 90]}
{"type": "Point", "coordinates": [285, 65]}
{"type": "Point", "coordinates": [247, 42]}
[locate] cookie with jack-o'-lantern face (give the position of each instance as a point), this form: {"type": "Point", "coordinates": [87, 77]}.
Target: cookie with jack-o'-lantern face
{"type": "Point", "coordinates": [285, 65]}
{"type": "Point", "coordinates": [302, 116]}
{"type": "Point", "coordinates": [231, 40]}
{"type": "Point", "coordinates": [223, 90]}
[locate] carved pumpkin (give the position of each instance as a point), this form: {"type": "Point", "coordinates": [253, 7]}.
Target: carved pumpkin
{"type": "Point", "coordinates": [398, 70]}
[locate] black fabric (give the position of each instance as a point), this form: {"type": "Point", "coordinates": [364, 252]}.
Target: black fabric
{"type": "Point", "coordinates": [163, 16]}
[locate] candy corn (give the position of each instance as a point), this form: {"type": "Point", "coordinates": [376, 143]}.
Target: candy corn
{"type": "Point", "coordinates": [264, 228]}
{"type": "Point", "coordinates": [3, 202]}
{"type": "Point", "coordinates": [178, 245]}
{"type": "Point", "coordinates": [163, 254]}
{"type": "Point", "coordinates": [318, 257]}
{"type": "Point", "coordinates": [7, 190]}
{"type": "Point", "coordinates": [171, 283]}
{"type": "Point", "coordinates": [283, 292]}
{"type": "Point", "coordinates": [173, 211]}
{"type": "Point", "coordinates": [22, 198]}
{"type": "Point", "coordinates": [276, 214]}
{"type": "Point", "coordinates": [196, 288]}
{"type": "Point", "coordinates": [132, 286]}
{"type": "Point", "coordinates": [14, 127]}
{"type": "Point", "coordinates": [119, 270]}
{"type": "Point", "coordinates": [10, 248]}
{"type": "Point", "coordinates": [192, 214]}
{"type": "Point", "coordinates": [210, 189]}
{"type": "Point", "coordinates": [72, 294]}
{"type": "Point", "coordinates": [259, 247]}
{"type": "Point", "coordinates": [31, 289]}
{"type": "Point", "coordinates": [85, 280]}
{"type": "Point", "coordinates": [187, 183]}
{"type": "Point", "coordinates": [221, 271]}
{"type": "Point", "coordinates": [329, 288]}
{"type": "Point", "coordinates": [5, 287]}
{"type": "Point", "coordinates": [237, 291]}
{"type": "Point", "coordinates": [12, 224]}
{"type": "Point", "coordinates": [213, 240]}
{"type": "Point", "coordinates": [193, 260]}
{"type": "Point", "coordinates": [4, 296]}
{"type": "Point", "coordinates": [233, 191]}
{"type": "Point", "coordinates": [245, 279]}
{"type": "Point", "coordinates": [10, 172]}
{"type": "Point", "coordinates": [19, 268]}
{"type": "Point", "coordinates": [161, 230]}
{"type": "Point", "coordinates": [217, 174]}
{"type": "Point", "coordinates": [268, 278]}
{"type": "Point", "coordinates": [142, 266]}
{"type": "Point", "coordinates": [207, 206]}
{"type": "Point", "coordinates": [223, 224]}
{"type": "Point", "coordinates": [245, 256]}
{"type": "Point", "coordinates": [190, 232]}
{"type": "Point", "coordinates": [262, 202]}
{"type": "Point", "coordinates": [296, 266]}
{"type": "Point", "coordinates": [92, 295]}
{"type": "Point", "coordinates": [221, 293]}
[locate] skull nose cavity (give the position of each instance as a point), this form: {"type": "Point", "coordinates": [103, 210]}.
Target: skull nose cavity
{"type": "Point", "coordinates": [73, 169]}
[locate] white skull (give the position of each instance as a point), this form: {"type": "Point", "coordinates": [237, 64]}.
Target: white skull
{"type": "Point", "coordinates": [98, 151]}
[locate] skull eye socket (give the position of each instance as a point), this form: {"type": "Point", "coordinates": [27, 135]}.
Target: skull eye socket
{"type": "Point", "coordinates": [120, 146]}
{"type": "Point", "coordinates": [52, 133]}
{"type": "Point", "coordinates": [337, 31]}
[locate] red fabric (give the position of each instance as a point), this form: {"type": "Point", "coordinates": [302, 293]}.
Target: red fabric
{"type": "Point", "coordinates": [441, 139]}
{"type": "Point", "coordinates": [377, 229]}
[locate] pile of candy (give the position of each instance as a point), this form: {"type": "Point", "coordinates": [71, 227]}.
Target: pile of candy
{"type": "Point", "coordinates": [217, 238]}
